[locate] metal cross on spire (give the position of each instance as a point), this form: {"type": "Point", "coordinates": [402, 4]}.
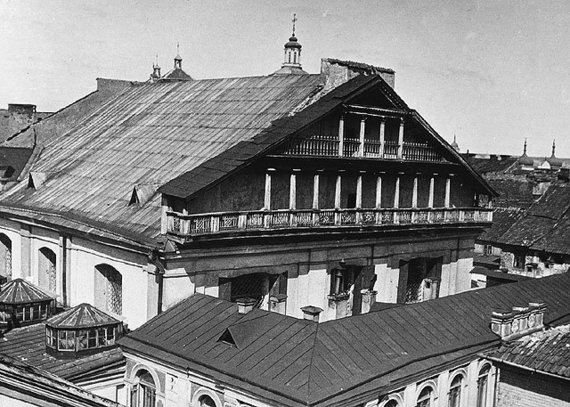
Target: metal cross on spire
{"type": "Point", "coordinates": [294, 21]}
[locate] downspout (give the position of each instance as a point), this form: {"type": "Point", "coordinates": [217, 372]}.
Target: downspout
{"type": "Point", "coordinates": [159, 277]}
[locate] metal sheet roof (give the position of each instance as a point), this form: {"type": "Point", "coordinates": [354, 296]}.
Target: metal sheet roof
{"type": "Point", "coordinates": [149, 134]}
{"type": "Point", "coordinates": [81, 316]}
{"type": "Point", "coordinates": [20, 291]}
{"type": "Point", "coordinates": [309, 362]}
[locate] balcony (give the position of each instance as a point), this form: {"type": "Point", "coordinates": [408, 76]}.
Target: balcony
{"type": "Point", "coordinates": [216, 223]}
{"type": "Point", "coordinates": [330, 146]}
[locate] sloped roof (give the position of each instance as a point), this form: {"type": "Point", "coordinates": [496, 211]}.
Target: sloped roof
{"type": "Point", "coordinates": [493, 164]}
{"type": "Point", "coordinates": [243, 153]}
{"type": "Point", "coordinates": [503, 219]}
{"type": "Point", "coordinates": [81, 316]}
{"type": "Point", "coordinates": [545, 225]}
{"type": "Point", "coordinates": [177, 74]}
{"type": "Point", "coordinates": [148, 134]}
{"type": "Point", "coordinates": [20, 291]}
{"type": "Point", "coordinates": [546, 352]}
{"type": "Point", "coordinates": [28, 345]}
{"type": "Point", "coordinates": [307, 363]}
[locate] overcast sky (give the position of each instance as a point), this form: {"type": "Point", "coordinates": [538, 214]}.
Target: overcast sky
{"type": "Point", "coordinates": [492, 72]}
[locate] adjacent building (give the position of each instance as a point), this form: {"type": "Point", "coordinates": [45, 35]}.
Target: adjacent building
{"type": "Point", "coordinates": [206, 351]}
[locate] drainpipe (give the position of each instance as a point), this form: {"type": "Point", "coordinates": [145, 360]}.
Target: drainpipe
{"type": "Point", "coordinates": [159, 277]}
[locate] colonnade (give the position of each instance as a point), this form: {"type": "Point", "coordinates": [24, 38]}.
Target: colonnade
{"type": "Point", "coordinates": [338, 188]}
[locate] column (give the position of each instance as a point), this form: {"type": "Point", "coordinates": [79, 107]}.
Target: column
{"type": "Point", "coordinates": [362, 132]}
{"type": "Point", "coordinates": [379, 190]}
{"type": "Point", "coordinates": [316, 181]}
{"type": "Point", "coordinates": [397, 192]}
{"type": "Point", "coordinates": [341, 137]}
{"type": "Point", "coordinates": [448, 191]}
{"type": "Point", "coordinates": [431, 190]}
{"type": "Point", "coordinates": [382, 135]}
{"type": "Point", "coordinates": [401, 138]}
{"type": "Point", "coordinates": [267, 200]}
{"type": "Point", "coordinates": [415, 192]}
{"type": "Point", "coordinates": [337, 190]}
{"type": "Point", "coordinates": [359, 190]}
{"type": "Point", "coordinates": [293, 189]}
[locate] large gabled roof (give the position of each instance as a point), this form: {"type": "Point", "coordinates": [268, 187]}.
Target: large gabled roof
{"type": "Point", "coordinates": [243, 153]}
{"type": "Point", "coordinates": [298, 362]}
{"type": "Point", "coordinates": [146, 135]}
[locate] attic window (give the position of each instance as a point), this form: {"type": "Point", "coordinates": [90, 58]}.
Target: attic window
{"type": "Point", "coordinates": [227, 338]}
{"type": "Point", "coordinates": [142, 193]}
{"type": "Point", "coordinates": [36, 179]}
{"type": "Point", "coordinates": [134, 198]}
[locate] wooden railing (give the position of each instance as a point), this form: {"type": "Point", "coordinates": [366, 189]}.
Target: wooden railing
{"type": "Point", "coordinates": [193, 225]}
{"type": "Point", "coordinates": [328, 146]}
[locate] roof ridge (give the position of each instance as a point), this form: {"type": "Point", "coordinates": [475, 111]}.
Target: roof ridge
{"type": "Point", "coordinates": [312, 362]}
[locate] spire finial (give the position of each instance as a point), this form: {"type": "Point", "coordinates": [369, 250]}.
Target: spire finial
{"type": "Point", "coordinates": [294, 21]}
{"type": "Point", "coordinates": [553, 147]}
{"type": "Point", "coordinates": [177, 58]}
{"type": "Point", "coordinates": [524, 148]}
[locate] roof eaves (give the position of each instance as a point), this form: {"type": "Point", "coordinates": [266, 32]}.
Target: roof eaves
{"type": "Point", "coordinates": [454, 153]}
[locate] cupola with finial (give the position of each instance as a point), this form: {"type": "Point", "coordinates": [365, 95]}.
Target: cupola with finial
{"type": "Point", "coordinates": [555, 163]}
{"type": "Point", "coordinates": [292, 58]}
{"type": "Point", "coordinates": [177, 74]}
{"type": "Point", "coordinates": [524, 160]}
{"type": "Point", "coordinates": [454, 145]}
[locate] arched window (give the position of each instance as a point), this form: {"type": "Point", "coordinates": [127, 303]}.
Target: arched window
{"type": "Point", "coordinates": [424, 399]}
{"type": "Point", "coordinates": [482, 386]}
{"type": "Point", "coordinates": [5, 257]}
{"type": "Point", "coordinates": [143, 393]}
{"type": "Point", "coordinates": [108, 289]}
{"type": "Point", "coordinates": [206, 401]}
{"type": "Point", "coordinates": [455, 391]}
{"type": "Point", "coordinates": [47, 277]}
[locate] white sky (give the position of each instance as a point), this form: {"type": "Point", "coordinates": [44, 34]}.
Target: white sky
{"type": "Point", "coordinates": [493, 72]}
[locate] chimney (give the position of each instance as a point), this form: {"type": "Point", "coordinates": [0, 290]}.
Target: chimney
{"type": "Point", "coordinates": [337, 72]}
{"type": "Point", "coordinates": [311, 313]}
{"type": "Point", "coordinates": [519, 321]}
{"type": "Point", "coordinates": [246, 305]}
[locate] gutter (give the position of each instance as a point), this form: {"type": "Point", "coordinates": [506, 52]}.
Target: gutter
{"type": "Point", "coordinates": [529, 369]}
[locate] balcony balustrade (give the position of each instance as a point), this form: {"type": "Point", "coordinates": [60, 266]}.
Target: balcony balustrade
{"type": "Point", "coordinates": [328, 146]}
{"type": "Point", "coordinates": [213, 223]}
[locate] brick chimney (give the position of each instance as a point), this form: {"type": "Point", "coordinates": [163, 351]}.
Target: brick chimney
{"type": "Point", "coordinates": [337, 72]}
{"type": "Point", "coordinates": [246, 305]}
{"type": "Point", "coordinates": [520, 321]}
{"type": "Point", "coordinates": [311, 313]}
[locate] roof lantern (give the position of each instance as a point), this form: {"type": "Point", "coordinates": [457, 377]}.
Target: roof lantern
{"type": "Point", "coordinates": [292, 58]}
{"type": "Point", "coordinates": [22, 303]}
{"type": "Point", "coordinates": [81, 330]}
{"type": "Point", "coordinates": [554, 162]}
{"type": "Point", "coordinates": [176, 73]}
{"type": "Point", "coordinates": [177, 58]}
{"type": "Point", "coordinates": [525, 160]}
